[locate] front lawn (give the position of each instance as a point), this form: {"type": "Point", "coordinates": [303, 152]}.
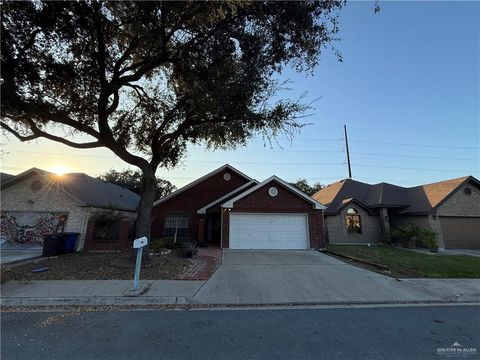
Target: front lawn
{"type": "Point", "coordinates": [99, 266]}
{"type": "Point", "coordinates": [407, 263]}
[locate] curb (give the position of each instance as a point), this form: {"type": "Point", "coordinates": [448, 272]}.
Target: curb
{"type": "Point", "coordinates": [182, 301]}
{"type": "Point", "coordinates": [95, 301]}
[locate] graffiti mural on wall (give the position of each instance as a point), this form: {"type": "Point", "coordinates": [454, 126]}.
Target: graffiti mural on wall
{"type": "Point", "coordinates": [30, 227]}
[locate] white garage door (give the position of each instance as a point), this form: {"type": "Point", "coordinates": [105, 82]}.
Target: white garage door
{"type": "Point", "coordinates": [268, 231]}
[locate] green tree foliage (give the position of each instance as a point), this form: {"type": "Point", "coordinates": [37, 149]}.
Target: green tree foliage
{"type": "Point", "coordinates": [132, 180]}
{"type": "Point", "coordinates": [144, 79]}
{"type": "Point", "coordinates": [303, 185]}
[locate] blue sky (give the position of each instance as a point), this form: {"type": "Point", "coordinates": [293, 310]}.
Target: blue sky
{"type": "Point", "coordinates": [408, 91]}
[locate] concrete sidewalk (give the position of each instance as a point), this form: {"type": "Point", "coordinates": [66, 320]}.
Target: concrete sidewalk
{"type": "Point", "coordinates": [96, 292]}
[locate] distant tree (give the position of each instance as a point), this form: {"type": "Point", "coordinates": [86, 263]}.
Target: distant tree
{"type": "Point", "coordinates": [146, 78]}
{"type": "Point", "coordinates": [132, 180]}
{"type": "Point", "coordinates": [303, 185]}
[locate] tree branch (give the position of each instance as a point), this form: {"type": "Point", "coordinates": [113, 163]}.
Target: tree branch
{"type": "Point", "coordinates": [37, 133]}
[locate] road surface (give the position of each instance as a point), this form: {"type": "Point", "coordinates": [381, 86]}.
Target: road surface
{"type": "Point", "coordinates": [331, 333]}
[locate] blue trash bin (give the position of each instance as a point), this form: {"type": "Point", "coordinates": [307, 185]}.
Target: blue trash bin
{"type": "Point", "coordinates": [70, 241]}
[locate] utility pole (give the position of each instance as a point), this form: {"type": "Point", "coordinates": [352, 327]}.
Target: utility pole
{"type": "Point", "coordinates": [348, 152]}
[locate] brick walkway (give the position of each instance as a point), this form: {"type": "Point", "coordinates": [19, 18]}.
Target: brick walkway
{"type": "Point", "coordinates": [215, 252]}
{"type": "Point", "coordinates": [203, 265]}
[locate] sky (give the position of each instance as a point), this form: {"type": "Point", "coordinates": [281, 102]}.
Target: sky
{"type": "Point", "coordinates": [408, 91]}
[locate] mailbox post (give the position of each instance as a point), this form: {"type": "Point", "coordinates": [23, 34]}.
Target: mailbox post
{"type": "Point", "coordinates": [138, 244]}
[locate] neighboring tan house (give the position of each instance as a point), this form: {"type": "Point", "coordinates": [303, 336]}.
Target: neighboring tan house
{"type": "Point", "coordinates": [36, 203]}
{"type": "Point", "coordinates": [359, 213]}
{"type": "Point", "coordinates": [227, 208]}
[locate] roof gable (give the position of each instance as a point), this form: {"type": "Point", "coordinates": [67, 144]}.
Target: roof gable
{"type": "Point", "coordinates": [329, 192]}
{"type": "Point", "coordinates": [349, 202]}
{"type": "Point", "coordinates": [200, 180]}
{"type": "Point", "coordinates": [291, 188]}
{"type": "Point", "coordinates": [425, 198]}
{"type": "Point", "coordinates": [225, 197]}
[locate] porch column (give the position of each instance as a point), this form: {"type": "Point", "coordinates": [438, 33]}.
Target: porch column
{"type": "Point", "coordinates": [434, 222]}
{"type": "Point", "coordinates": [201, 230]}
{"type": "Point", "coordinates": [385, 225]}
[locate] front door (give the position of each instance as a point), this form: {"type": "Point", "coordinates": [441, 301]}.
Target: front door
{"type": "Point", "coordinates": [213, 229]}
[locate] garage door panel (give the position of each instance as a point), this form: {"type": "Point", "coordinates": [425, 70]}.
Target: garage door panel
{"type": "Point", "coordinates": [268, 231]}
{"type": "Point", "coordinates": [461, 232]}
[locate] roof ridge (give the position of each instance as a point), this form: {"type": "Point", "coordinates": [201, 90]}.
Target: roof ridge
{"type": "Point", "coordinates": [443, 181]}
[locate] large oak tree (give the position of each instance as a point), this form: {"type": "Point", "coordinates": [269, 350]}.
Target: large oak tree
{"type": "Point", "coordinates": [132, 180]}
{"type": "Point", "coordinates": [144, 79]}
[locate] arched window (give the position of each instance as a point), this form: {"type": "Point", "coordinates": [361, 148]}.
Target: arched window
{"type": "Point", "coordinates": [352, 220]}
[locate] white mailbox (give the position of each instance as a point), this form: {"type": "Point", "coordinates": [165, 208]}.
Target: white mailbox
{"type": "Point", "coordinates": [139, 243]}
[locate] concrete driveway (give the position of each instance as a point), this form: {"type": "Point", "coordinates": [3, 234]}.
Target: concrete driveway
{"type": "Point", "coordinates": [14, 253]}
{"type": "Point", "coordinates": [274, 277]}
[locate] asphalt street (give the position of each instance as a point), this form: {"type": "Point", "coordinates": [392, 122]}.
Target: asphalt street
{"type": "Point", "coordinates": [331, 333]}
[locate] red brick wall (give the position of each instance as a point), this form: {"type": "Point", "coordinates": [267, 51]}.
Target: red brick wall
{"type": "Point", "coordinates": [190, 200]}
{"type": "Point", "coordinates": [123, 241]}
{"type": "Point", "coordinates": [284, 202]}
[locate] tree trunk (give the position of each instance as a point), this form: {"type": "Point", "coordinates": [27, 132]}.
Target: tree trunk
{"type": "Point", "coordinates": [144, 210]}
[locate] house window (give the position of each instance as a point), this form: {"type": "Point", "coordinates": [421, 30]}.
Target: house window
{"type": "Point", "coordinates": [177, 225]}
{"type": "Point", "coordinates": [352, 219]}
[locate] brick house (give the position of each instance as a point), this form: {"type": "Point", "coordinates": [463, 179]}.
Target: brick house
{"type": "Point", "coordinates": [37, 202]}
{"type": "Point", "coordinates": [229, 209]}
{"type": "Point", "coordinates": [359, 213]}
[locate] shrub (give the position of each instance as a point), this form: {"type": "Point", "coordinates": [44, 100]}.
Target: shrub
{"type": "Point", "coordinates": [156, 245]}
{"type": "Point", "coordinates": [396, 236]}
{"type": "Point", "coordinates": [187, 249]}
{"type": "Point", "coordinates": [171, 244]}
{"type": "Point", "coordinates": [407, 235]}
{"type": "Point", "coordinates": [429, 239]}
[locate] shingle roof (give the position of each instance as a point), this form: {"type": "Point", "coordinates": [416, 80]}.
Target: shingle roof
{"type": "Point", "coordinates": [5, 177]}
{"type": "Point", "coordinates": [425, 197]}
{"type": "Point", "coordinates": [418, 199]}
{"type": "Point", "coordinates": [88, 190]}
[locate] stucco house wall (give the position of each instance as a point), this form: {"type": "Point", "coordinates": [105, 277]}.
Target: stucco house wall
{"type": "Point", "coordinates": [22, 197]}
{"type": "Point", "coordinates": [337, 228]}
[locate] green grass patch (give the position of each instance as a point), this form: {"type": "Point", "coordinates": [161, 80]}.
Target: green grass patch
{"type": "Point", "coordinates": [408, 263]}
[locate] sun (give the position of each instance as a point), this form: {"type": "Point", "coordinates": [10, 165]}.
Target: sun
{"type": "Point", "coordinates": [60, 170]}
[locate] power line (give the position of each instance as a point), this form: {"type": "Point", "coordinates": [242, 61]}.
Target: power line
{"type": "Point", "coordinates": [415, 156]}
{"type": "Point", "coordinates": [409, 131]}
{"type": "Point", "coordinates": [417, 169]}
{"type": "Point", "coordinates": [269, 150]}
{"type": "Point", "coordinates": [421, 145]}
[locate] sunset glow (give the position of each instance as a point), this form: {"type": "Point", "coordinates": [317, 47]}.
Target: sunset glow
{"type": "Point", "coordinates": [60, 170]}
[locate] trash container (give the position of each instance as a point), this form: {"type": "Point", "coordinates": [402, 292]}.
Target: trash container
{"type": "Point", "coordinates": [60, 243]}
{"type": "Point", "coordinates": [70, 241]}
{"type": "Point", "coordinates": [52, 245]}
